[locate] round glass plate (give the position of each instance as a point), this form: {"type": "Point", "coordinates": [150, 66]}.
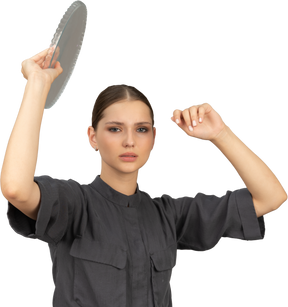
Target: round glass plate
{"type": "Point", "coordinates": [65, 48]}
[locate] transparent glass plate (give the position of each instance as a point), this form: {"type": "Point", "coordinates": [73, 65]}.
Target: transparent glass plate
{"type": "Point", "coordinates": [69, 36]}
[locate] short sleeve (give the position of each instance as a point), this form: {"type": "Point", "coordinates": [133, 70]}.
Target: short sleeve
{"type": "Point", "coordinates": [203, 220]}
{"type": "Point", "coordinates": [61, 211]}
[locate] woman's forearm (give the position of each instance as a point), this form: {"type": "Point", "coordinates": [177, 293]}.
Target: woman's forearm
{"type": "Point", "coordinates": [19, 164]}
{"type": "Point", "coordinates": [260, 178]}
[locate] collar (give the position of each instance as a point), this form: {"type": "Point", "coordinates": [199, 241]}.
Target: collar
{"type": "Point", "coordinates": [114, 196]}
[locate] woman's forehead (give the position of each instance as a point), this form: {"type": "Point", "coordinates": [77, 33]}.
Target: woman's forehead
{"type": "Point", "coordinates": [126, 111]}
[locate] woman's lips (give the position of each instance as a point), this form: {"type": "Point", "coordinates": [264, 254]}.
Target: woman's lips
{"type": "Point", "coordinates": [128, 158]}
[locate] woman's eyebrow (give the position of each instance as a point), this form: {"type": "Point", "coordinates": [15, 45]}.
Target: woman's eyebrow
{"type": "Point", "coordinates": [118, 123]}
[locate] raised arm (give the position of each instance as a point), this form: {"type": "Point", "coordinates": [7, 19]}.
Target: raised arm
{"type": "Point", "coordinates": [269, 192]}
{"type": "Point", "coordinates": [19, 159]}
{"type": "Point", "coordinates": [17, 183]}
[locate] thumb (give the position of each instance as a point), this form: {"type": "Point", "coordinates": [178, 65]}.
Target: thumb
{"type": "Point", "coordinates": [57, 64]}
{"type": "Point", "coordinates": [58, 68]}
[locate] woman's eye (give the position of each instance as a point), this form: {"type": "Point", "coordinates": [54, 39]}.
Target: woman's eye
{"type": "Point", "coordinates": [145, 129]}
{"type": "Point", "coordinates": [111, 129]}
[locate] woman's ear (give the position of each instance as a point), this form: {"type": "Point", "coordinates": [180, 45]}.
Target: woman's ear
{"type": "Point", "coordinates": [156, 131]}
{"type": "Point", "coordinates": [155, 138]}
{"type": "Point", "coordinates": [92, 137]}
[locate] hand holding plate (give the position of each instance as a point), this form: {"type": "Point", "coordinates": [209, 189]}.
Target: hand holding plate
{"type": "Point", "coordinates": [34, 65]}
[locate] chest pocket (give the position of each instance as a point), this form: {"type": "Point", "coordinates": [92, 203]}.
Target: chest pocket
{"type": "Point", "coordinates": [162, 263]}
{"type": "Point", "coordinates": [99, 273]}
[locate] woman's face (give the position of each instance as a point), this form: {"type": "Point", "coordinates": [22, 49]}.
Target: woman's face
{"type": "Point", "coordinates": [125, 127]}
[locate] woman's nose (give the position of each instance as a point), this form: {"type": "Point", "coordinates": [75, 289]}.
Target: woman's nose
{"type": "Point", "coordinates": [129, 137]}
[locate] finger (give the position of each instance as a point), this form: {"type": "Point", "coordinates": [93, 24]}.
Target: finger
{"type": "Point", "coordinates": [45, 64]}
{"type": "Point", "coordinates": [193, 114]}
{"type": "Point", "coordinates": [187, 119]}
{"type": "Point", "coordinates": [48, 61]}
{"type": "Point", "coordinates": [58, 67]}
{"type": "Point", "coordinates": [55, 57]}
{"type": "Point", "coordinates": [201, 113]}
{"type": "Point", "coordinates": [57, 52]}
{"type": "Point", "coordinates": [176, 115]}
{"type": "Point", "coordinates": [42, 59]}
{"type": "Point", "coordinates": [40, 55]}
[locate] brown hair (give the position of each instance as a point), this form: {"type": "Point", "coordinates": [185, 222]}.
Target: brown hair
{"type": "Point", "coordinates": [115, 93]}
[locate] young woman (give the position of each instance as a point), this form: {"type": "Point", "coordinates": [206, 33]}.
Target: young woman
{"type": "Point", "coordinates": [112, 244]}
